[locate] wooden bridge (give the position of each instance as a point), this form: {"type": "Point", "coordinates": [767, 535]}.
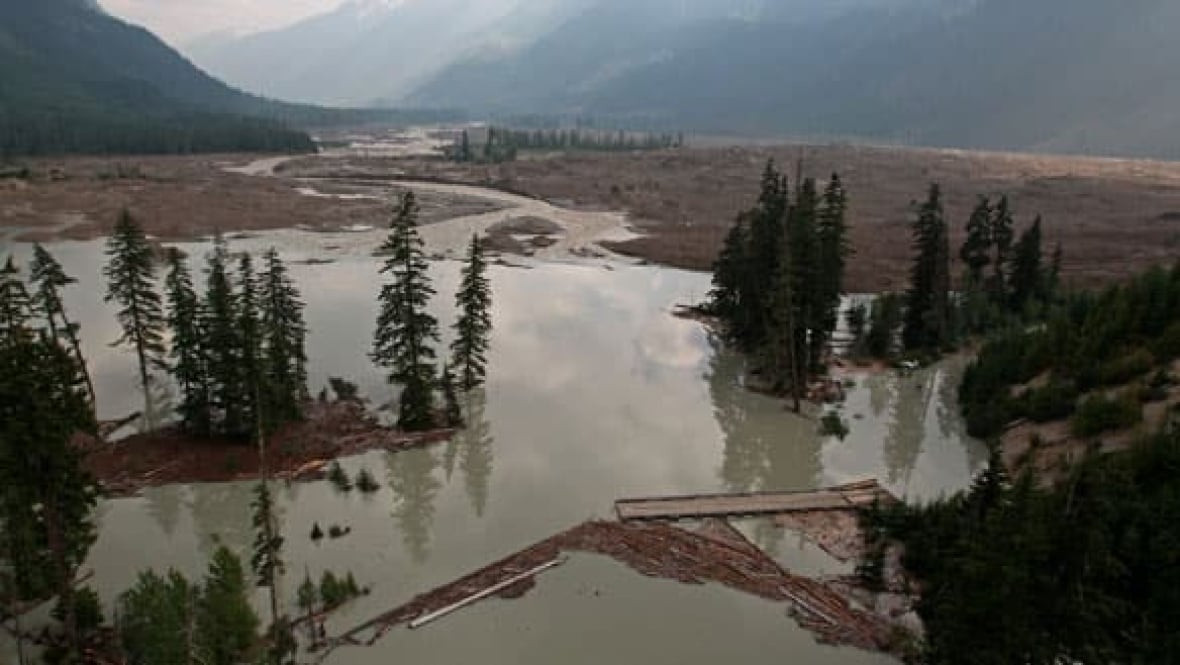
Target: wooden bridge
{"type": "Point", "coordinates": [841, 497]}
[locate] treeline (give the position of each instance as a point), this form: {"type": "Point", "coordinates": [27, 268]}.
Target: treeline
{"type": "Point", "coordinates": [1091, 341]}
{"type": "Point", "coordinates": [778, 280]}
{"type": "Point", "coordinates": [102, 131]}
{"type": "Point", "coordinates": [503, 145]}
{"type": "Point", "coordinates": [1082, 572]}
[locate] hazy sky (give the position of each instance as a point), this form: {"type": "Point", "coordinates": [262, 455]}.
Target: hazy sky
{"type": "Point", "coordinates": [179, 21]}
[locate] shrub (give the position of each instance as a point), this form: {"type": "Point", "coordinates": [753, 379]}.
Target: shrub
{"type": "Point", "coordinates": [833, 425]}
{"type": "Point", "coordinates": [1126, 367]}
{"type": "Point", "coordinates": [1098, 414]}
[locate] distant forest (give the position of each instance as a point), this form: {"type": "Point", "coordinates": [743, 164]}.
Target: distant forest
{"type": "Point", "coordinates": [76, 80]}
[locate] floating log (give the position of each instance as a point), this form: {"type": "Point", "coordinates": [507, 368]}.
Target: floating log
{"type": "Point", "coordinates": [490, 591]}
{"type": "Point", "coordinates": [859, 494]}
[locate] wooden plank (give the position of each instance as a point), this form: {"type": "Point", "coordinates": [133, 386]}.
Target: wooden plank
{"type": "Point", "coordinates": [842, 497]}
{"type": "Point", "coordinates": [490, 591]}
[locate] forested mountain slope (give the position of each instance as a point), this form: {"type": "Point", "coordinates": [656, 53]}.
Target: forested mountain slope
{"type": "Point", "coordinates": [1088, 76]}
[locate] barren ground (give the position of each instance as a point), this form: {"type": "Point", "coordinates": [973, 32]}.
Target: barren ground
{"type": "Point", "coordinates": [1114, 217]}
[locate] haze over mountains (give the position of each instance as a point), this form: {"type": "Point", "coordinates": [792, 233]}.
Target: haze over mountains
{"type": "Point", "coordinates": [1089, 76]}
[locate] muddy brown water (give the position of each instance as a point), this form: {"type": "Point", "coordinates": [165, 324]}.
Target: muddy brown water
{"type": "Point", "coordinates": [596, 392]}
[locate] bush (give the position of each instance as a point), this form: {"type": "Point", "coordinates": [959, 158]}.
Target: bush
{"type": "Point", "coordinates": [1098, 414]}
{"type": "Point", "coordinates": [1126, 367]}
{"type": "Point", "coordinates": [1167, 347]}
{"type": "Point", "coordinates": [833, 425]}
{"type": "Point", "coordinates": [1052, 402]}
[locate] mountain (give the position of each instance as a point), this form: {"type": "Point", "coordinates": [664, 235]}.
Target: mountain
{"type": "Point", "coordinates": [74, 79]}
{"type": "Point", "coordinates": [1089, 76]}
{"type": "Point", "coordinates": [363, 51]}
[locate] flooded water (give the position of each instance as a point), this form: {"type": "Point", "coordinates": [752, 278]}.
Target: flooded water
{"type": "Point", "coordinates": [595, 392]}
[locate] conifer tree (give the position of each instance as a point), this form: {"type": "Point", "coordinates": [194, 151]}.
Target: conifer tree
{"type": "Point", "coordinates": [130, 274]}
{"type": "Point", "coordinates": [725, 299]}
{"type": "Point", "coordinates": [284, 333]}
{"type": "Point", "coordinates": [802, 245]}
{"type": "Point", "coordinates": [250, 335]}
{"type": "Point", "coordinates": [226, 623]}
{"type": "Point", "coordinates": [405, 329]}
{"type": "Point", "coordinates": [1002, 236]}
{"type": "Point", "coordinates": [267, 561]}
{"type": "Point", "coordinates": [927, 324]}
{"type": "Point", "coordinates": [834, 250]}
{"type": "Point", "coordinates": [46, 528]}
{"type": "Point", "coordinates": [976, 250]}
{"type": "Point", "coordinates": [50, 278]}
{"type": "Point", "coordinates": [1027, 279]}
{"type": "Point", "coordinates": [189, 365]}
{"type": "Point", "coordinates": [16, 307]}
{"type": "Point", "coordinates": [474, 325]}
{"type": "Point", "coordinates": [223, 343]}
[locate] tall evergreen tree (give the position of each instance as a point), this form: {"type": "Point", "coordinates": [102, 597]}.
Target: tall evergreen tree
{"type": "Point", "coordinates": [267, 561]}
{"type": "Point", "coordinates": [405, 329]}
{"type": "Point", "coordinates": [725, 298]}
{"type": "Point", "coordinates": [50, 278]}
{"type": "Point", "coordinates": [284, 333]}
{"type": "Point", "coordinates": [834, 250]}
{"type": "Point", "coordinates": [189, 363]}
{"type": "Point", "coordinates": [16, 307]}
{"type": "Point", "coordinates": [223, 343]}
{"type": "Point", "coordinates": [976, 250]}
{"type": "Point", "coordinates": [807, 291]}
{"type": "Point", "coordinates": [1027, 278]}
{"type": "Point", "coordinates": [250, 335]}
{"type": "Point", "coordinates": [130, 274]}
{"type": "Point", "coordinates": [474, 325]}
{"type": "Point", "coordinates": [927, 324]}
{"type": "Point", "coordinates": [46, 527]}
{"type": "Point", "coordinates": [226, 623]}
{"type": "Point", "coordinates": [1002, 235]}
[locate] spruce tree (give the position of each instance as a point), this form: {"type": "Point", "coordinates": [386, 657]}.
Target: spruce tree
{"type": "Point", "coordinates": [1026, 278]}
{"type": "Point", "coordinates": [50, 278]}
{"type": "Point", "coordinates": [803, 247]}
{"type": "Point", "coordinates": [46, 527]}
{"type": "Point", "coordinates": [976, 250]}
{"type": "Point", "coordinates": [223, 343]}
{"type": "Point", "coordinates": [927, 324]}
{"type": "Point", "coordinates": [250, 336]}
{"type": "Point", "coordinates": [189, 363]}
{"type": "Point", "coordinates": [474, 325]}
{"type": "Point", "coordinates": [16, 307]}
{"type": "Point", "coordinates": [1002, 236]}
{"type": "Point", "coordinates": [226, 623]}
{"type": "Point", "coordinates": [405, 329]}
{"type": "Point", "coordinates": [130, 274]}
{"type": "Point", "coordinates": [267, 561]}
{"type": "Point", "coordinates": [834, 250]}
{"type": "Point", "coordinates": [284, 334]}
{"type": "Point", "coordinates": [725, 299]}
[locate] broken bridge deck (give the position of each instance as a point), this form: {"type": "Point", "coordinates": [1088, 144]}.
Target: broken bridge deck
{"type": "Point", "coordinates": [841, 497]}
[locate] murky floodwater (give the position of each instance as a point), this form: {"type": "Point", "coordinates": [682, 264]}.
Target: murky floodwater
{"type": "Point", "coordinates": [596, 392]}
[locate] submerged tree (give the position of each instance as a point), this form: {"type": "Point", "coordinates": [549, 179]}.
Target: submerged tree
{"type": "Point", "coordinates": [130, 275]}
{"type": "Point", "coordinates": [50, 278]}
{"type": "Point", "coordinates": [452, 410]}
{"type": "Point", "coordinates": [267, 561]}
{"type": "Point", "coordinates": [189, 362]}
{"type": "Point", "coordinates": [405, 329]}
{"type": "Point", "coordinates": [474, 325]}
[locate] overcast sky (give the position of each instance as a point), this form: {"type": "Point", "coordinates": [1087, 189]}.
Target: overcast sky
{"type": "Point", "coordinates": [179, 21]}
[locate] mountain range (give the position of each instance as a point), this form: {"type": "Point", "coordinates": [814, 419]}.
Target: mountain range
{"type": "Point", "coordinates": [1087, 76]}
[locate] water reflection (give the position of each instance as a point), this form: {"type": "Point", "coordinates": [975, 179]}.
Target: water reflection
{"type": "Point", "coordinates": [221, 516]}
{"type": "Point", "coordinates": [765, 446]}
{"type": "Point", "coordinates": [411, 477]}
{"type": "Point", "coordinates": [475, 444]}
{"type": "Point", "coordinates": [164, 504]}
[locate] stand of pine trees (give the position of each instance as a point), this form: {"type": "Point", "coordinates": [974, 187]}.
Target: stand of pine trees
{"type": "Point", "coordinates": [406, 331]}
{"type": "Point", "coordinates": [503, 145]}
{"type": "Point", "coordinates": [779, 278]}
